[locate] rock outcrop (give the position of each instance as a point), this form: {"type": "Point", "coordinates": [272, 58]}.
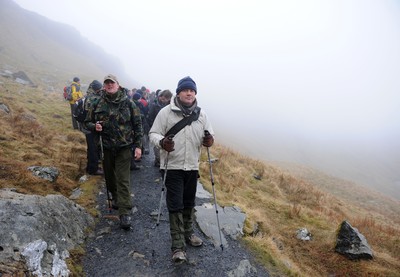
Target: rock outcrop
{"type": "Point", "coordinates": [37, 232]}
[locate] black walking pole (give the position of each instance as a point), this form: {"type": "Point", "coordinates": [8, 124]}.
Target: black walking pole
{"type": "Point", "coordinates": [215, 198]}
{"type": "Point", "coordinates": [162, 189]}
{"type": "Point", "coordinates": [102, 159]}
{"type": "Point", "coordinates": [170, 137]}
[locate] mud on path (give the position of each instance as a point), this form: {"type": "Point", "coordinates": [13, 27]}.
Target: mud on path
{"type": "Point", "coordinates": [145, 249]}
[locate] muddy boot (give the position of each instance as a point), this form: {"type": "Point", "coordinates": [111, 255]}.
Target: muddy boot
{"type": "Point", "coordinates": [125, 221]}
{"type": "Point", "coordinates": [177, 231]}
{"type": "Point", "coordinates": [190, 237]}
{"type": "Point", "coordinates": [179, 256]}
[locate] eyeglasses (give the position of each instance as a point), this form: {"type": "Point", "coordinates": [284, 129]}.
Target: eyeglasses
{"type": "Point", "coordinates": [109, 82]}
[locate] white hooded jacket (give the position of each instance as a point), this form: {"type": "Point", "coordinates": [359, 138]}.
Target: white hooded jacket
{"type": "Point", "coordinates": [188, 141]}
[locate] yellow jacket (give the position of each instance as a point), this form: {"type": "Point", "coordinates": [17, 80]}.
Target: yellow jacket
{"type": "Point", "coordinates": [76, 94]}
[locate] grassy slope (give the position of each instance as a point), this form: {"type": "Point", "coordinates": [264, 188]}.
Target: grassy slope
{"type": "Point", "coordinates": [280, 204]}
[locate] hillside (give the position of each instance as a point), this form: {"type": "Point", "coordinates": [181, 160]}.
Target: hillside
{"type": "Point", "coordinates": [279, 201]}
{"type": "Point", "coordinates": [48, 49]}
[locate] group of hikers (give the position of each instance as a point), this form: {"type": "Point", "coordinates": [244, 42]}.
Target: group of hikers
{"type": "Point", "coordinates": [121, 124]}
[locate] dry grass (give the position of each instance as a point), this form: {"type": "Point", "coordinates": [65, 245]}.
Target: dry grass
{"type": "Point", "coordinates": [38, 132]}
{"type": "Point", "coordinates": [279, 204]}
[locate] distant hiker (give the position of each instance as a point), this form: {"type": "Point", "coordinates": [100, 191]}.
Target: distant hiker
{"type": "Point", "coordinates": [135, 98]}
{"type": "Point", "coordinates": [152, 97]}
{"type": "Point", "coordinates": [118, 123]}
{"type": "Point", "coordinates": [163, 99]}
{"type": "Point", "coordinates": [144, 108]}
{"type": "Point", "coordinates": [76, 95]}
{"type": "Point", "coordinates": [181, 154]}
{"type": "Point", "coordinates": [92, 138]}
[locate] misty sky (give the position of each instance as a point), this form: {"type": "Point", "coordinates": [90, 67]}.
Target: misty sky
{"type": "Point", "coordinates": [271, 74]}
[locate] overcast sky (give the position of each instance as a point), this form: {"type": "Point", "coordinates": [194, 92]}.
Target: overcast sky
{"type": "Point", "coordinates": [313, 70]}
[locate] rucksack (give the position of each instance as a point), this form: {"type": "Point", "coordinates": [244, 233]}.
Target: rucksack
{"type": "Point", "coordinates": [79, 110]}
{"type": "Point", "coordinates": [68, 93]}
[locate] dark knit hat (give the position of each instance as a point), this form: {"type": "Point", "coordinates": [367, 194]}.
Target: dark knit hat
{"type": "Point", "coordinates": [96, 85]}
{"type": "Point", "coordinates": [186, 83]}
{"type": "Point", "coordinates": [76, 79]}
{"type": "Point", "coordinates": [137, 96]}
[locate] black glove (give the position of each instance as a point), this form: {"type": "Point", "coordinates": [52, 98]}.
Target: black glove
{"type": "Point", "coordinates": [208, 139]}
{"type": "Point", "coordinates": [167, 144]}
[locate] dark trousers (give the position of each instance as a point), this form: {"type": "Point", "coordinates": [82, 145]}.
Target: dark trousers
{"type": "Point", "coordinates": [75, 123]}
{"type": "Point", "coordinates": [116, 166]}
{"type": "Point", "coordinates": [181, 189]}
{"type": "Point", "coordinates": [181, 194]}
{"type": "Point", "coordinates": [92, 153]}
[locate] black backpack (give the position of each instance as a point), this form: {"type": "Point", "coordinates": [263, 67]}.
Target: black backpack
{"type": "Point", "coordinates": [79, 110]}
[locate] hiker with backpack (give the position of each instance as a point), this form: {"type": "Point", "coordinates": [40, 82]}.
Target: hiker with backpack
{"type": "Point", "coordinates": [74, 95]}
{"type": "Point", "coordinates": [92, 138]}
{"type": "Point", "coordinates": [179, 130]}
{"type": "Point", "coordinates": [162, 100]}
{"type": "Point", "coordinates": [117, 121]}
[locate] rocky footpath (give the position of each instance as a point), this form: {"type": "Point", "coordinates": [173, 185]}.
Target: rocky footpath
{"type": "Point", "coordinates": [145, 249]}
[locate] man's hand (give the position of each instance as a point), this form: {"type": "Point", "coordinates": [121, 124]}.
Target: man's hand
{"type": "Point", "coordinates": [138, 153]}
{"type": "Point", "coordinates": [99, 126]}
{"type": "Point", "coordinates": [167, 144]}
{"type": "Point", "coordinates": [208, 139]}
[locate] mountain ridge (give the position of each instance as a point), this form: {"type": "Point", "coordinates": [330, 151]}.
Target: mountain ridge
{"type": "Point", "coordinates": [34, 40]}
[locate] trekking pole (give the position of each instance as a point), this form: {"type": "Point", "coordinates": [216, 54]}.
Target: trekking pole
{"type": "Point", "coordinates": [215, 198]}
{"type": "Point", "coordinates": [163, 185]}
{"type": "Point", "coordinates": [102, 159]}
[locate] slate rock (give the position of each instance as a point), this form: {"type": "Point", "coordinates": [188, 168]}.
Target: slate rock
{"type": "Point", "coordinates": [351, 243]}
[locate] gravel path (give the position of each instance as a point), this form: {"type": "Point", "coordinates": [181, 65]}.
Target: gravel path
{"type": "Point", "coordinates": [145, 249]}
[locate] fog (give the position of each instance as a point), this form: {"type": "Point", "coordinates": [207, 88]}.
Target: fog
{"type": "Point", "coordinates": [312, 82]}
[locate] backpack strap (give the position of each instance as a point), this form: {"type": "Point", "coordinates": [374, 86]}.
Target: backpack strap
{"type": "Point", "coordinates": [184, 122]}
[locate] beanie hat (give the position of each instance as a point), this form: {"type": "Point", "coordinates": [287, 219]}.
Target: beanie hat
{"type": "Point", "coordinates": [186, 83]}
{"type": "Point", "coordinates": [96, 85]}
{"type": "Point", "coordinates": [136, 96]}
{"type": "Point", "coordinates": [76, 79]}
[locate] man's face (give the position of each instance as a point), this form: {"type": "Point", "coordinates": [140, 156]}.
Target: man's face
{"type": "Point", "coordinates": [163, 100]}
{"type": "Point", "coordinates": [187, 96]}
{"type": "Point", "coordinates": [110, 87]}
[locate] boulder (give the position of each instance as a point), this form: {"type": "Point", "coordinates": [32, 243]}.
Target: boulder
{"type": "Point", "coordinates": [47, 173]}
{"type": "Point", "coordinates": [351, 243]}
{"type": "Point", "coordinates": [37, 232]}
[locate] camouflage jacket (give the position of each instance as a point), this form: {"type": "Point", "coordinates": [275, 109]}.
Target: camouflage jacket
{"type": "Point", "coordinates": [122, 124]}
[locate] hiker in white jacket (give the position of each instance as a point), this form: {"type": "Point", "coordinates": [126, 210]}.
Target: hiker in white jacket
{"type": "Point", "coordinates": [180, 153]}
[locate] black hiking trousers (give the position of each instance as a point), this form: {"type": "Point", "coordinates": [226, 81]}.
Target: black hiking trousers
{"type": "Point", "coordinates": [181, 189]}
{"type": "Point", "coordinates": [92, 153]}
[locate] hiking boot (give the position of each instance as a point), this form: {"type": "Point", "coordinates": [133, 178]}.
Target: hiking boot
{"type": "Point", "coordinates": [179, 256]}
{"type": "Point", "coordinates": [125, 221]}
{"type": "Point", "coordinates": [194, 240]}
{"type": "Point", "coordinates": [114, 205]}
{"type": "Point", "coordinates": [134, 167]}
{"type": "Point", "coordinates": [98, 172]}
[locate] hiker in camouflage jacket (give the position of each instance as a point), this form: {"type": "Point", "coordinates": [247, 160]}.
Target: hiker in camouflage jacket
{"type": "Point", "coordinates": [118, 122]}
